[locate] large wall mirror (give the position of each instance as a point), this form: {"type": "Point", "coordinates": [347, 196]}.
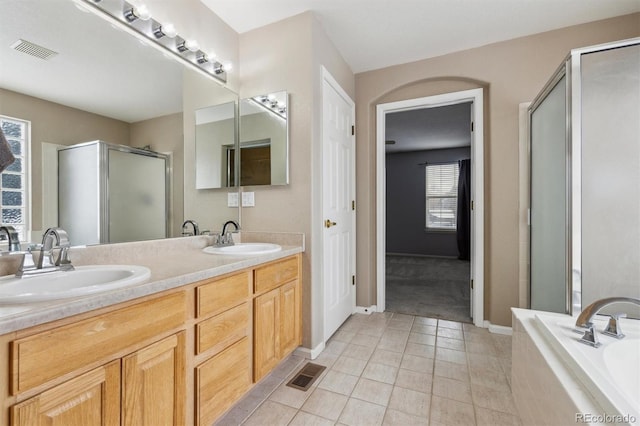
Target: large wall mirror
{"type": "Point", "coordinates": [84, 80]}
{"type": "Point", "coordinates": [216, 137]}
{"type": "Point", "coordinates": [264, 140]}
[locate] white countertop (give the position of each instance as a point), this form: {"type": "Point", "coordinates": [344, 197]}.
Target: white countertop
{"type": "Point", "coordinates": [171, 267]}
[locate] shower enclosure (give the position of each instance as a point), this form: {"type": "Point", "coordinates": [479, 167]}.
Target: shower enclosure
{"type": "Point", "coordinates": [585, 180]}
{"type": "Point", "coordinates": [112, 193]}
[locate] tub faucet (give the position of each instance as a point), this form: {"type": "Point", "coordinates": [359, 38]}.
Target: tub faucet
{"type": "Point", "coordinates": [12, 237]}
{"type": "Point", "coordinates": [194, 224]}
{"type": "Point", "coordinates": [585, 319]}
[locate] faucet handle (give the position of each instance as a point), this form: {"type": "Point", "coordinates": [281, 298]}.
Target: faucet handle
{"type": "Point", "coordinates": [27, 264]}
{"type": "Point", "coordinates": [613, 327]}
{"type": "Point", "coordinates": [590, 337]}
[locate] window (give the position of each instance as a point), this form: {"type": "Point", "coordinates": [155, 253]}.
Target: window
{"type": "Point", "coordinates": [441, 196]}
{"type": "Point", "coordinates": [14, 196]}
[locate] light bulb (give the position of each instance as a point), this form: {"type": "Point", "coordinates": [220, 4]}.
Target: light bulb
{"type": "Point", "coordinates": [190, 45]}
{"type": "Point", "coordinates": [165, 30]}
{"type": "Point", "coordinates": [137, 12]}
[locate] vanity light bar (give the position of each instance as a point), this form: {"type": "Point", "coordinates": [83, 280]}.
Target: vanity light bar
{"type": "Point", "coordinates": [164, 36]}
{"type": "Point", "coordinates": [278, 108]}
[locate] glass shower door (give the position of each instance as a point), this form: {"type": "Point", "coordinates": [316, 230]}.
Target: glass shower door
{"type": "Point", "coordinates": [137, 188]}
{"type": "Point", "coordinates": [549, 195]}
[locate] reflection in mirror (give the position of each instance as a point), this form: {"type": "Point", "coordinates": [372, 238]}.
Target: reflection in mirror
{"type": "Point", "coordinates": [264, 140]}
{"type": "Point", "coordinates": [103, 84]}
{"type": "Point", "coordinates": [215, 144]}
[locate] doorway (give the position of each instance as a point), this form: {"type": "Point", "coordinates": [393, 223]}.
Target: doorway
{"type": "Point", "coordinates": [473, 100]}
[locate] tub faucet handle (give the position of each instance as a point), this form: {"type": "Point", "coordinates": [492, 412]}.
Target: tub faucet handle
{"type": "Point", "coordinates": [590, 337]}
{"type": "Point", "coordinates": [613, 327]}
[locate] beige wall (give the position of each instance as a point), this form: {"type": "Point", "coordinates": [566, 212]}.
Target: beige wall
{"type": "Point", "coordinates": [288, 56]}
{"type": "Point", "coordinates": [510, 72]}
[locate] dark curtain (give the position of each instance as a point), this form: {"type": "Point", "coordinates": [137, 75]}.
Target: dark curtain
{"type": "Point", "coordinates": [463, 231]}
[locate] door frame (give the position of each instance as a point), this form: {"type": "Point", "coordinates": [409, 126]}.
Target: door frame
{"type": "Point", "coordinates": [477, 191]}
{"type": "Point", "coordinates": [318, 223]}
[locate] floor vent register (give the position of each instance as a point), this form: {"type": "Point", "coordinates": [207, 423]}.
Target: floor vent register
{"type": "Point", "coordinates": [306, 376]}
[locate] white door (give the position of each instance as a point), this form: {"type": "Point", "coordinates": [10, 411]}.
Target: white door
{"type": "Point", "coordinates": [338, 206]}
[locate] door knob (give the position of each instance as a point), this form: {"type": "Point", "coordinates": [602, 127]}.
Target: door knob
{"type": "Point", "coordinates": [329, 224]}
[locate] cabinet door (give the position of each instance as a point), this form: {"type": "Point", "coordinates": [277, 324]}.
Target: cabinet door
{"type": "Point", "coordinates": [289, 317]}
{"type": "Point", "coordinates": [90, 399]}
{"type": "Point", "coordinates": [266, 351]}
{"type": "Point", "coordinates": [221, 381]}
{"type": "Point", "coordinates": [153, 387]}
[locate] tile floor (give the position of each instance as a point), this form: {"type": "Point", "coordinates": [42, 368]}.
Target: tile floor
{"type": "Point", "coordinates": [392, 369]}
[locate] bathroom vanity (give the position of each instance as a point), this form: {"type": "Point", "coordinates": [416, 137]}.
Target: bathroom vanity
{"type": "Point", "coordinates": [208, 328]}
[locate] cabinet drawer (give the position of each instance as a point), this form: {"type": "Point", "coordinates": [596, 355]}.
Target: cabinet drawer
{"type": "Point", "coordinates": [42, 357]}
{"type": "Point", "coordinates": [221, 381]}
{"type": "Point", "coordinates": [223, 329]}
{"type": "Point", "coordinates": [220, 295]}
{"type": "Point", "coordinates": [275, 274]}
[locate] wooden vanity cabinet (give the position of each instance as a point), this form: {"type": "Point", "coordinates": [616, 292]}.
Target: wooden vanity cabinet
{"type": "Point", "coordinates": [145, 386]}
{"type": "Point", "coordinates": [222, 335]}
{"type": "Point", "coordinates": [277, 314]}
{"type": "Point", "coordinates": [181, 357]}
{"type": "Point", "coordinates": [151, 381]}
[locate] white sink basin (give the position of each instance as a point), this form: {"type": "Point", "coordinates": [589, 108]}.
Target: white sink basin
{"type": "Point", "coordinates": [84, 280]}
{"type": "Point", "coordinates": [244, 249]}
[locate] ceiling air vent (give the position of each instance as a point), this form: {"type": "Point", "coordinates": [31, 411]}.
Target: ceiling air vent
{"type": "Point", "coordinates": [33, 49]}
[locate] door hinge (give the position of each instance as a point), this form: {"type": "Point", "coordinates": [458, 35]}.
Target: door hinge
{"type": "Point", "coordinates": [471, 284]}
{"type": "Point", "coordinates": [353, 204]}
{"type": "Point", "coordinates": [471, 204]}
{"type": "Point", "coordinates": [472, 126]}
{"type": "Point", "coordinates": [353, 280]}
{"type": "Point", "coordinates": [353, 130]}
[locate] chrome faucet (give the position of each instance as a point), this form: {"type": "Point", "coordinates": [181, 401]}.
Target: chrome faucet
{"type": "Point", "coordinates": [53, 238]}
{"type": "Point", "coordinates": [12, 237]}
{"type": "Point", "coordinates": [225, 238]}
{"type": "Point", "coordinates": [585, 319]}
{"type": "Point", "coordinates": [194, 224]}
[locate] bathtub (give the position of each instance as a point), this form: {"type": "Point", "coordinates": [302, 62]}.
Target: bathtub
{"type": "Point", "coordinates": [584, 385]}
{"type": "Point", "coordinates": [612, 371]}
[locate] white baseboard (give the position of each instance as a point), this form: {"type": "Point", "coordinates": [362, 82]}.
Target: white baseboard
{"type": "Point", "coordinates": [498, 329]}
{"type": "Point", "coordinates": [366, 310]}
{"type": "Point", "coordinates": [309, 353]}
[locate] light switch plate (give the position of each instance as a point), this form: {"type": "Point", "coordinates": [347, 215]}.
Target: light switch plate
{"type": "Point", "coordinates": [232, 199]}
{"type": "Point", "coordinates": [248, 199]}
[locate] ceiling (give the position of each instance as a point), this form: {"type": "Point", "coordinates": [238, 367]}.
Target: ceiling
{"type": "Point", "coordinates": [373, 34]}
{"type": "Point", "coordinates": [93, 57]}
{"type": "Point", "coordinates": [429, 128]}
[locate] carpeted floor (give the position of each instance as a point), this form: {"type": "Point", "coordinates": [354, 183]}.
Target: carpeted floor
{"type": "Point", "coordinates": [428, 287]}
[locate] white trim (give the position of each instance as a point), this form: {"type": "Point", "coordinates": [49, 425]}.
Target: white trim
{"type": "Point", "coordinates": [498, 329]}
{"type": "Point", "coordinates": [477, 156]}
{"type": "Point", "coordinates": [365, 310]}
{"type": "Point", "coordinates": [309, 353]}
